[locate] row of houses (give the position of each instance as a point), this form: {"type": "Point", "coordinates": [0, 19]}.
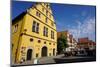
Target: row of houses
{"type": "Point", "coordinates": [82, 44]}
{"type": "Point", "coordinates": [86, 43]}
{"type": "Point", "coordinates": [71, 41]}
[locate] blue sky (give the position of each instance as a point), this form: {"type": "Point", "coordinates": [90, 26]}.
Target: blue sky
{"type": "Point", "coordinates": [77, 19]}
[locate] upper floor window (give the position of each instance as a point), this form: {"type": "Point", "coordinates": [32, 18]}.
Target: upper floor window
{"type": "Point", "coordinates": [52, 34]}
{"type": "Point", "coordinates": [47, 6]}
{"type": "Point", "coordinates": [46, 20]}
{"type": "Point", "coordinates": [45, 32]}
{"type": "Point", "coordinates": [43, 9]}
{"type": "Point", "coordinates": [15, 28]}
{"type": "Point", "coordinates": [50, 15]}
{"type": "Point", "coordinates": [35, 27]}
{"type": "Point", "coordinates": [38, 14]}
{"type": "Point", "coordinates": [52, 23]}
{"type": "Point", "coordinates": [46, 12]}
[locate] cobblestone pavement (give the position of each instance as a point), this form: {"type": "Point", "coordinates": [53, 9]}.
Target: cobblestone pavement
{"type": "Point", "coordinates": [46, 60]}
{"type": "Point", "coordinates": [43, 60]}
{"type": "Point", "coordinates": [60, 59]}
{"type": "Point", "coordinates": [63, 59]}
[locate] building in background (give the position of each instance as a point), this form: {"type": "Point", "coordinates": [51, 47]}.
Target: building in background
{"type": "Point", "coordinates": [71, 42]}
{"type": "Point", "coordinates": [34, 34]}
{"type": "Point", "coordinates": [86, 44]}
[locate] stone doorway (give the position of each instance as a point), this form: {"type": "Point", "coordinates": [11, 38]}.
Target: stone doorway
{"type": "Point", "coordinates": [44, 51]}
{"type": "Point", "coordinates": [29, 54]}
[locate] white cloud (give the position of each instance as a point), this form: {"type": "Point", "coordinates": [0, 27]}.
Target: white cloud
{"type": "Point", "coordinates": [84, 29]}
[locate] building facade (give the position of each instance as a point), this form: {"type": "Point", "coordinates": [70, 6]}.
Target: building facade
{"type": "Point", "coordinates": [86, 43]}
{"type": "Point", "coordinates": [71, 42]}
{"type": "Point", "coordinates": [34, 34]}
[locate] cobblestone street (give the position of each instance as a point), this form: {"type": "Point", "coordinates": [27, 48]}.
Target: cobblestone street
{"type": "Point", "coordinates": [60, 59]}
{"type": "Point", "coordinates": [46, 60]}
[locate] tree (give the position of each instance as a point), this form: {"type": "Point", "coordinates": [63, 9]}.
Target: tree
{"type": "Point", "coordinates": [61, 43]}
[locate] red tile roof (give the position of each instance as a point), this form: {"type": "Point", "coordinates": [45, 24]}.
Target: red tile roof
{"type": "Point", "coordinates": [83, 40]}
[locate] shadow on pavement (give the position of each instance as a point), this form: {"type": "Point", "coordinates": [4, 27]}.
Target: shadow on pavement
{"type": "Point", "coordinates": [73, 60]}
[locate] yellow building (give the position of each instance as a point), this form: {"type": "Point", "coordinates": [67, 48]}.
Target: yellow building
{"type": "Point", "coordinates": [34, 34]}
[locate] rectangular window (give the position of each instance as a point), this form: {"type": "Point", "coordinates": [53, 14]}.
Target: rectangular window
{"type": "Point", "coordinates": [46, 12]}
{"type": "Point", "coordinates": [15, 28]}
{"type": "Point", "coordinates": [52, 34]}
{"type": "Point", "coordinates": [45, 32]}
{"type": "Point", "coordinates": [35, 27]}
{"type": "Point", "coordinates": [46, 20]}
{"type": "Point", "coordinates": [50, 15]}
{"type": "Point", "coordinates": [38, 14]}
{"type": "Point", "coordinates": [52, 23]}
{"type": "Point", "coordinates": [43, 9]}
{"type": "Point", "coordinates": [47, 5]}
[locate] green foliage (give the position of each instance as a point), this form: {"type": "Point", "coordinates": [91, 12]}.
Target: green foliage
{"type": "Point", "coordinates": [61, 43]}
